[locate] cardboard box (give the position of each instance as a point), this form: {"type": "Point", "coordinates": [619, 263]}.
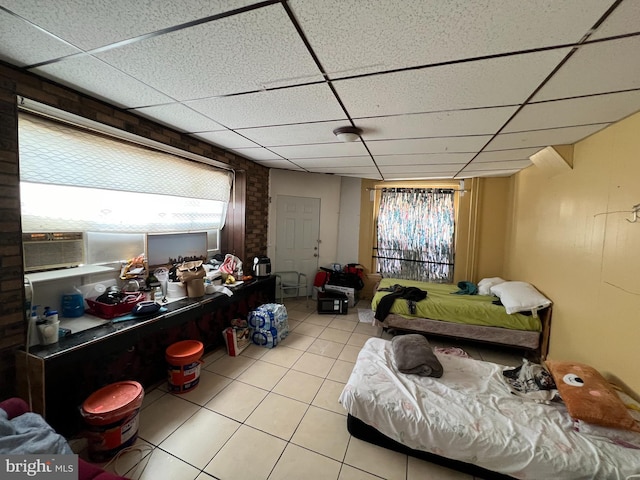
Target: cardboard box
{"type": "Point", "coordinates": [352, 294]}
{"type": "Point", "coordinates": [236, 339]}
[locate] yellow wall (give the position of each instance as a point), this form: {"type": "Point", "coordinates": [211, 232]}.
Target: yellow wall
{"type": "Point", "coordinates": [568, 235]}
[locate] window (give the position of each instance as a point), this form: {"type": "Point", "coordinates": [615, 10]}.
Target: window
{"type": "Point", "coordinates": [415, 234]}
{"type": "Point", "coordinates": [77, 180]}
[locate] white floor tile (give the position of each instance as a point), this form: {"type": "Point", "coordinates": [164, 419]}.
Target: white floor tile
{"type": "Point", "coordinates": [299, 386]}
{"type": "Point", "coordinates": [419, 469]}
{"type": "Point", "coordinates": [309, 329]}
{"type": "Point", "coordinates": [379, 461]}
{"type": "Point", "coordinates": [328, 395]}
{"type": "Point", "coordinates": [249, 455]}
{"type": "Point", "coordinates": [198, 439]}
{"type": "Point", "coordinates": [349, 353]}
{"type": "Point", "coordinates": [237, 401]}
{"type": "Point", "coordinates": [326, 348]}
{"type": "Point", "coordinates": [262, 375]}
{"type": "Point", "coordinates": [367, 329]}
{"type": "Point", "coordinates": [297, 341]}
{"type": "Point", "coordinates": [254, 351]}
{"type": "Point", "coordinates": [213, 356]}
{"type": "Point", "coordinates": [317, 319]}
{"type": "Point", "coordinates": [210, 385]}
{"type": "Point", "coordinates": [350, 473]}
{"type": "Point", "coordinates": [323, 432]}
{"type": "Point", "coordinates": [343, 324]}
{"type": "Point", "coordinates": [341, 371]}
{"type": "Point", "coordinates": [151, 396]}
{"type": "Point", "coordinates": [282, 355]}
{"type": "Point", "coordinates": [230, 366]}
{"type": "Point", "coordinates": [335, 335]}
{"type": "Point", "coordinates": [358, 339]}
{"type": "Point", "coordinates": [163, 416]}
{"type": "Point", "coordinates": [277, 415]}
{"type": "Point", "coordinates": [126, 460]}
{"type": "Point", "coordinates": [314, 364]}
{"type": "Point", "coordinates": [299, 463]}
{"type": "Point", "coordinates": [160, 464]}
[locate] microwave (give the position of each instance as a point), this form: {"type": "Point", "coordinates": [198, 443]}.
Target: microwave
{"type": "Point", "coordinates": [334, 303]}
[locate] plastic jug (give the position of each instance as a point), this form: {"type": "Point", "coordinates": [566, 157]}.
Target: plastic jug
{"type": "Point", "coordinates": [73, 304]}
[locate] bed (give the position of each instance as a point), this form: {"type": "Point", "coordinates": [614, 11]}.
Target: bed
{"type": "Point", "coordinates": [469, 317]}
{"type": "Point", "coordinates": [468, 419]}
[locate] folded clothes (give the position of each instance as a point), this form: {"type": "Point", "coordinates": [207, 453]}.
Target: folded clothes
{"type": "Point", "coordinates": [414, 355]}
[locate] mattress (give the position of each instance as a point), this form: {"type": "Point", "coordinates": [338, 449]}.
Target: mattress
{"type": "Point", "coordinates": [442, 304]}
{"type": "Point", "coordinates": [469, 415]}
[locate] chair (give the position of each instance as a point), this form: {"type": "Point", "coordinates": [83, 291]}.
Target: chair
{"type": "Point", "coordinates": [291, 282]}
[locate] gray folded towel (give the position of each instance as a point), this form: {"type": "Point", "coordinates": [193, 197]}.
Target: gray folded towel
{"type": "Point", "coordinates": [414, 355]}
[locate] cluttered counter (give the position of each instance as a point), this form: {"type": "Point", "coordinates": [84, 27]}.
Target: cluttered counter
{"type": "Point", "coordinates": [61, 375]}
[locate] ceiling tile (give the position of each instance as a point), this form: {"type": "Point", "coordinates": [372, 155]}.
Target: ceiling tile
{"type": "Point", "coordinates": [428, 145]}
{"type": "Point", "coordinates": [225, 138]}
{"type": "Point", "coordinates": [352, 163]}
{"type": "Point", "coordinates": [489, 173]}
{"type": "Point", "coordinates": [624, 19]}
{"type": "Point", "coordinates": [366, 172]}
{"type": "Point", "coordinates": [479, 121]}
{"type": "Point", "coordinates": [350, 149]}
{"type": "Point", "coordinates": [503, 155]}
{"type": "Point", "coordinates": [596, 68]}
{"type": "Point", "coordinates": [94, 77]}
{"type": "Point", "coordinates": [246, 52]}
{"type": "Point", "coordinates": [286, 164]}
{"type": "Point", "coordinates": [488, 166]}
{"type": "Point", "coordinates": [23, 44]}
{"type": "Point", "coordinates": [575, 111]}
{"type": "Point", "coordinates": [257, 153]}
{"type": "Point", "coordinates": [413, 169]}
{"type": "Point", "coordinates": [424, 159]}
{"type": "Point", "coordinates": [300, 134]}
{"type": "Point", "coordinates": [91, 24]}
{"type": "Point", "coordinates": [494, 82]}
{"type": "Point", "coordinates": [180, 117]}
{"type": "Point", "coordinates": [542, 138]}
{"type": "Point", "coordinates": [310, 103]}
{"type": "Point", "coordinates": [351, 37]}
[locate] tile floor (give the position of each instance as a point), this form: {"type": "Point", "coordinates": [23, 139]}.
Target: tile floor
{"type": "Point", "coordinates": [274, 413]}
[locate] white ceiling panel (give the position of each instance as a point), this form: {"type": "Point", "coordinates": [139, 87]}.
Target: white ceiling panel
{"type": "Point", "coordinates": [428, 145]}
{"type": "Point", "coordinates": [180, 117]}
{"type": "Point", "coordinates": [488, 173]}
{"type": "Point", "coordinates": [300, 134]}
{"type": "Point", "coordinates": [350, 149]}
{"type": "Point", "coordinates": [309, 103]}
{"type": "Point", "coordinates": [366, 172]}
{"type": "Point", "coordinates": [94, 77]}
{"type": "Point", "coordinates": [488, 166]}
{"type": "Point", "coordinates": [257, 153]}
{"type": "Point", "coordinates": [496, 82]}
{"type": "Point", "coordinates": [419, 169]}
{"type": "Point", "coordinates": [575, 111]}
{"type": "Point", "coordinates": [623, 20]}
{"type": "Point", "coordinates": [542, 138]}
{"type": "Point", "coordinates": [245, 52]}
{"type": "Point", "coordinates": [83, 22]}
{"type": "Point", "coordinates": [478, 121]}
{"type": "Point", "coordinates": [285, 164]}
{"type": "Point", "coordinates": [226, 139]}
{"type": "Point", "coordinates": [23, 44]}
{"type": "Point", "coordinates": [353, 37]}
{"type": "Point", "coordinates": [337, 162]}
{"type": "Point", "coordinates": [596, 68]}
{"type": "Point", "coordinates": [503, 155]}
{"type": "Point", "coordinates": [424, 159]}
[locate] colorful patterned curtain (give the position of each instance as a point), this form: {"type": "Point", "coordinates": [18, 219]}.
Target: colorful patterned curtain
{"type": "Point", "coordinates": [416, 234]}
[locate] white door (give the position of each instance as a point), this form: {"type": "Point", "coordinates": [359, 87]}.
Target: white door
{"type": "Point", "coordinates": [297, 232]}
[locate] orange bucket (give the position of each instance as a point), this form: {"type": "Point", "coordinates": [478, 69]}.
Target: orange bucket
{"type": "Point", "coordinates": [183, 363]}
{"type": "Point", "coordinates": [111, 415]}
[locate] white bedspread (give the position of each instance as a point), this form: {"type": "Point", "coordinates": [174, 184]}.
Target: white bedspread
{"type": "Point", "coordinates": [469, 415]}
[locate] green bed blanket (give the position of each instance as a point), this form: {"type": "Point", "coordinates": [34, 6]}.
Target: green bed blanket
{"type": "Point", "coordinates": [440, 304]}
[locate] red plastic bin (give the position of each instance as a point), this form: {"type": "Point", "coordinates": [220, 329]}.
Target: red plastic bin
{"type": "Point", "coordinates": [109, 311]}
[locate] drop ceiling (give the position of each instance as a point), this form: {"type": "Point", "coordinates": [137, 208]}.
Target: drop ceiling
{"type": "Point", "coordinates": [440, 89]}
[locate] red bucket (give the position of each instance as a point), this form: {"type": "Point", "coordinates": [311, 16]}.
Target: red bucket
{"type": "Point", "coordinates": [111, 415]}
{"type": "Point", "coordinates": [183, 363]}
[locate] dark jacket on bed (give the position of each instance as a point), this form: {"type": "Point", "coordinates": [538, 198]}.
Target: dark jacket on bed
{"type": "Point", "coordinates": [411, 294]}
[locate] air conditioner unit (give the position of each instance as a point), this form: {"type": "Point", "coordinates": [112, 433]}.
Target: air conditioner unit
{"type": "Point", "coordinates": [48, 251]}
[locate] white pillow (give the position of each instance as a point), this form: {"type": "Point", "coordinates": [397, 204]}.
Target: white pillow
{"type": "Point", "coordinates": [520, 297]}
{"type": "Point", "coordinates": [484, 285]}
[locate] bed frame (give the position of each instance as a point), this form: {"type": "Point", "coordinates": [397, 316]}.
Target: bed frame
{"type": "Point", "coordinates": [536, 344]}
